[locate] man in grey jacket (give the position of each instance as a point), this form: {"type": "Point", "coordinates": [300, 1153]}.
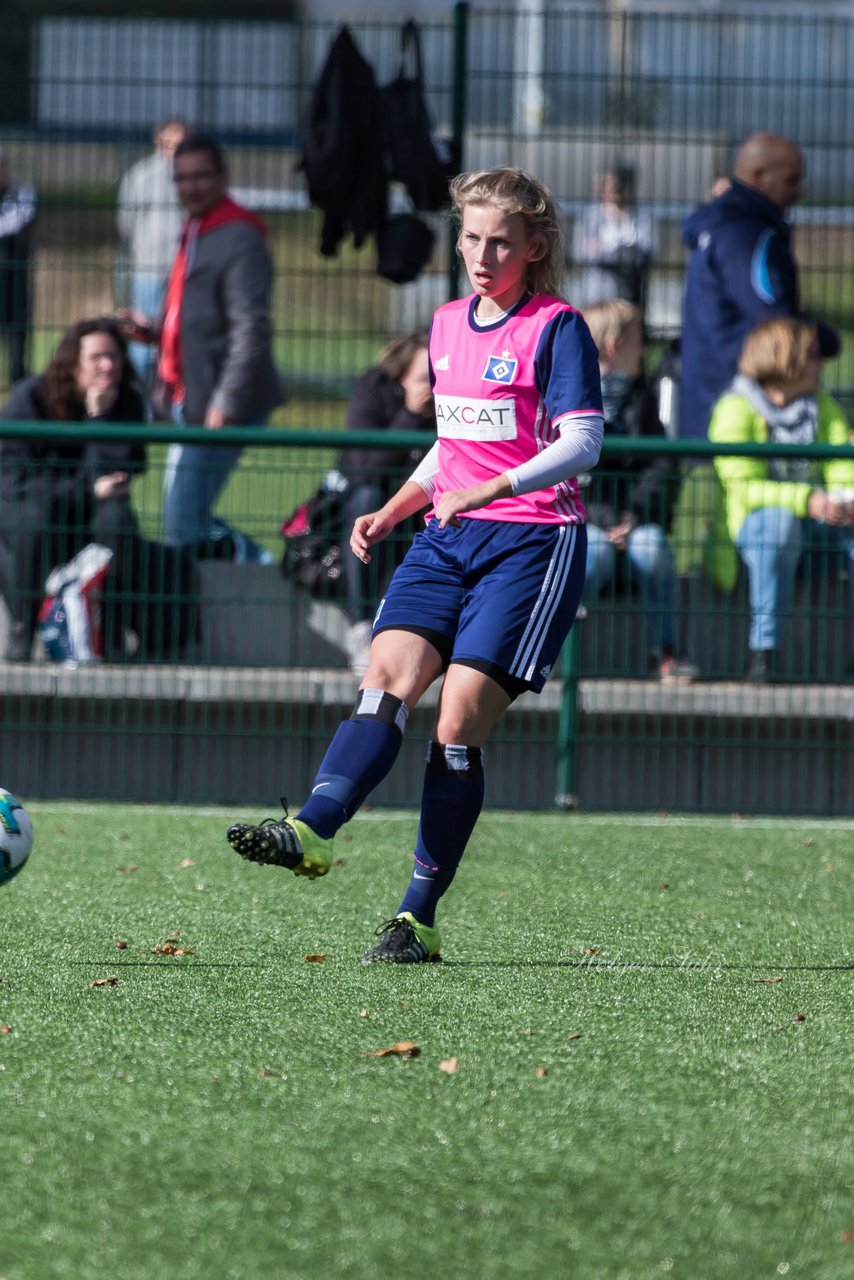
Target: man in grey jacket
{"type": "Point", "coordinates": [216, 366]}
{"type": "Point", "coordinates": [149, 219]}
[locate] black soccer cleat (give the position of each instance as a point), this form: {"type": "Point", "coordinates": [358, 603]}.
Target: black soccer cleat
{"type": "Point", "coordinates": [272, 841]}
{"type": "Point", "coordinates": [282, 843]}
{"type": "Point", "coordinates": [404, 940]}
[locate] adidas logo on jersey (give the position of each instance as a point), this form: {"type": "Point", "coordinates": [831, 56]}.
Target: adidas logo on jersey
{"type": "Point", "coordinates": [443, 363]}
{"type": "Point", "coordinates": [545, 672]}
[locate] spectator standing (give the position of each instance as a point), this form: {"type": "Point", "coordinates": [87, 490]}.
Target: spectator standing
{"type": "Point", "coordinates": [17, 217]}
{"type": "Point", "coordinates": [394, 395]}
{"type": "Point", "coordinates": [741, 270]}
{"type": "Point", "coordinates": [781, 508]}
{"type": "Point", "coordinates": [615, 242]}
{"type": "Point", "coordinates": [629, 499]}
{"type": "Point", "coordinates": [216, 365]}
{"type": "Point", "coordinates": [149, 221]}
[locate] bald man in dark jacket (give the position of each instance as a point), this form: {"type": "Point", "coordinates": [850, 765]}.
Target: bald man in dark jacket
{"type": "Point", "coordinates": [741, 270]}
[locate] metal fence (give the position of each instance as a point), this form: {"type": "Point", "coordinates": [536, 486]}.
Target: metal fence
{"type": "Point", "coordinates": [563, 91]}
{"type": "Point", "coordinates": [225, 685]}
{"type": "Point", "coordinates": [226, 688]}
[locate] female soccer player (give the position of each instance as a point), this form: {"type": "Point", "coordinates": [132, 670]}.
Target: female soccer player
{"type": "Point", "coordinates": [488, 591]}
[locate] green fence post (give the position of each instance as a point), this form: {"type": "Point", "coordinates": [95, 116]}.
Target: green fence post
{"type": "Point", "coordinates": [458, 125]}
{"type": "Point", "coordinates": [567, 732]}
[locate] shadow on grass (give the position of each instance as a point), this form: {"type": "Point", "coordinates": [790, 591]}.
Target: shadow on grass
{"type": "Point", "coordinates": [675, 966]}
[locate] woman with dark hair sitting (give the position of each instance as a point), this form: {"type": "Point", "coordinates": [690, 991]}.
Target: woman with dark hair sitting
{"type": "Point", "coordinates": [394, 395]}
{"type": "Point", "coordinates": [56, 496]}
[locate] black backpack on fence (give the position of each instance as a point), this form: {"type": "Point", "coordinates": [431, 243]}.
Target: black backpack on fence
{"type": "Point", "coordinates": [416, 156]}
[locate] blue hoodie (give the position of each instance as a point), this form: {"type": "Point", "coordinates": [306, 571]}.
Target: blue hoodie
{"type": "Point", "coordinates": [741, 271]}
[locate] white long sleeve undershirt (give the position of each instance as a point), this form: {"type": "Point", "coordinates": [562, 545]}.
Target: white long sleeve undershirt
{"type": "Point", "coordinates": [576, 450]}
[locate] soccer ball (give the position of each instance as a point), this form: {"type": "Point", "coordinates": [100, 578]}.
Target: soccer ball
{"type": "Point", "coordinates": [16, 835]}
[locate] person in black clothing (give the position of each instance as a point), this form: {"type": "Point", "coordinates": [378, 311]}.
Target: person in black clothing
{"type": "Point", "coordinates": [628, 498]}
{"type": "Point", "coordinates": [56, 496]}
{"type": "Point", "coordinates": [394, 395]}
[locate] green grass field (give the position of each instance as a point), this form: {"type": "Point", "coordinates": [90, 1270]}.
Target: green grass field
{"type": "Point", "coordinates": [650, 1021]}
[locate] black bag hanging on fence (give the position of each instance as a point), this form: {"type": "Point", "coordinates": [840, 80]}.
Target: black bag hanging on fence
{"type": "Point", "coordinates": [416, 156]}
{"type": "Point", "coordinates": [404, 247]}
{"type": "Point", "coordinates": [312, 534]}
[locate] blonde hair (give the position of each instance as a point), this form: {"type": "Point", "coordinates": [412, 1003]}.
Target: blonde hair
{"type": "Point", "coordinates": [514, 191]}
{"type": "Point", "coordinates": [611, 320]}
{"type": "Point", "coordinates": [776, 351]}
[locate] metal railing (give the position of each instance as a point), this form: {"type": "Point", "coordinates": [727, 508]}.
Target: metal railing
{"type": "Point", "coordinates": [563, 91]}
{"type": "Point", "coordinates": [236, 703]}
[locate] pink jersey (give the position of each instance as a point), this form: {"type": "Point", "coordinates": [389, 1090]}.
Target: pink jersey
{"type": "Point", "coordinates": [501, 391]}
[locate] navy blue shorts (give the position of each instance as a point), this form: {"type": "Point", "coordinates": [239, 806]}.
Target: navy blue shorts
{"type": "Point", "coordinates": [493, 595]}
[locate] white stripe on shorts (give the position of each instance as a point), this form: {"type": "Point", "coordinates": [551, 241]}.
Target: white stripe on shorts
{"type": "Point", "coordinates": [525, 660]}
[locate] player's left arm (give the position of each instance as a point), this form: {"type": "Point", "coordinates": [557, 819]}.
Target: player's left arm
{"type": "Point", "coordinates": [566, 371]}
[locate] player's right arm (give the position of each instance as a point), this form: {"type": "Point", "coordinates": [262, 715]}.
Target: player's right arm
{"type": "Point", "coordinates": [371, 528]}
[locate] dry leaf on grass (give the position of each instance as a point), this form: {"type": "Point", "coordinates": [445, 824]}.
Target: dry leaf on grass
{"type": "Point", "coordinates": [450, 1065]}
{"type": "Point", "coordinates": [315, 959]}
{"type": "Point", "coordinates": [131, 866]}
{"type": "Point", "coordinates": [5, 1029]}
{"type": "Point", "coordinates": [574, 1035]}
{"type": "Point", "coordinates": [542, 1071]}
{"type": "Point", "coordinates": [168, 948]}
{"type": "Point", "coordinates": [105, 982]}
{"type": "Point", "coordinates": [768, 980]}
{"type": "Point", "coordinates": [799, 1017]}
{"type": "Point", "coordinates": [403, 1049]}
{"type": "Point", "coordinates": [186, 862]}
{"type": "Point", "coordinates": [847, 1237]}
{"type": "Point", "coordinates": [121, 945]}
{"type": "Point", "coordinates": [363, 1013]}
{"type": "Point", "coordinates": [265, 1071]}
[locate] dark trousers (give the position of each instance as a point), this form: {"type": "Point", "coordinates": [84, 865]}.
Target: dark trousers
{"type": "Point", "coordinates": [39, 536]}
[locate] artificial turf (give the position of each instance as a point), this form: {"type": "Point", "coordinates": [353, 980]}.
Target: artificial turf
{"type": "Point", "coordinates": [635, 1059]}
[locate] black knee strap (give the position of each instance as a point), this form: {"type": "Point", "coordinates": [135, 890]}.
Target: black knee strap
{"type": "Point", "coordinates": [376, 704]}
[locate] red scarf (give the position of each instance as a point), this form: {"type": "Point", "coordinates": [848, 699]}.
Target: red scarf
{"type": "Point", "coordinates": [170, 367]}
